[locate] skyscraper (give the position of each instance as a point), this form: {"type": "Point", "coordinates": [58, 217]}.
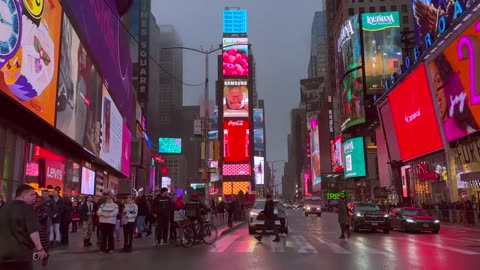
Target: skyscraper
{"type": "Point", "coordinates": [318, 64]}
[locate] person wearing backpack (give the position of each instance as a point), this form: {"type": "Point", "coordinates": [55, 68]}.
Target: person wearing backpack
{"type": "Point", "coordinates": [162, 206]}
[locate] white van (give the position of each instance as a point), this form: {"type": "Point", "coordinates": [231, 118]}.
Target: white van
{"type": "Point", "coordinates": [312, 205]}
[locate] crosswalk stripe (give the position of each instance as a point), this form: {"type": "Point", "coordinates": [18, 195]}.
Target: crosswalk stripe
{"type": "Point", "coordinates": [246, 246]}
{"type": "Point", "coordinates": [222, 244]}
{"type": "Point", "coordinates": [336, 248]}
{"type": "Point", "coordinates": [303, 245]}
{"type": "Point", "coordinates": [277, 247]}
{"type": "Point", "coordinates": [440, 246]}
{"type": "Point", "coordinates": [368, 249]}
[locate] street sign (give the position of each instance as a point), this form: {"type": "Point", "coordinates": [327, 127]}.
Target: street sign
{"type": "Point", "coordinates": [197, 127]}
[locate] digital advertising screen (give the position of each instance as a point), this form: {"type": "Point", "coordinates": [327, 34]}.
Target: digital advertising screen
{"type": "Point", "coordinates": [235, 98]}
{"type": "Point", "coordinates": [337, 154]}
{"type": "Point", "coordinates": [311, 90]}
{"type": "Point", "coordinates": [55, 172]}
{"type": "Point", "coordinates": [354, 158]}
{"type": "Point", "coordinates": [258, 130]}
{"type": "Point", "coordinates": [126, 150]}
{"type": "Point", "coordinates": [259, 167]}
{"type": "Point", "coordinates": [455, 83]}
{"type": "Point", "coordinates": [235, 21]}
{"type": "Point", "coordinates": [235, 57]}
{"type": "Point", "coordinates": [236, 141]}
{"type": "Point", "coordinates": [29, 54]}
{"type": "Point", "coordinates": [352, 100]}
{"type": "Point", "coordinates": [88, 182]}
{"type": "Point", "coordinates": [79, 96]}
{"type": "Point", "coordinates": [112, 131]}
{"type": "Point", "coordinates": [170, 145]}
{"type": "Point", "coordinates": [213, 132]}
{"type": "Point", "coordinates": [167, 183]}
{"type": "Point", "coordinates": [315, 161]}
{"type": "Point", "coordinates": [382, 48]}
{"type": "Point", "coordinates": [426, 14]}
{"type": "Point", "coordinates": [236, 169]}
{"type": "Point", "coordinates": [349, 54]}
{"type": "Point", "coordinates": [414, 116]}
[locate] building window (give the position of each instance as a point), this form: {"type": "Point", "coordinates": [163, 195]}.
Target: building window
{"type": "Point", "coordinates": [362, 10]}
{"type": "Point", "coordinates": [351, 11]}
{"type": "Point", "coordinates": [383, 8]}
{"type": "Point", "coordinates": [404, 8]}
{"type": "Point", "coordinates": [394, 8]}
{"type": "Point", "coordinates": [371, 9]}
{"type": "Point", "coordinates": [405, 20]}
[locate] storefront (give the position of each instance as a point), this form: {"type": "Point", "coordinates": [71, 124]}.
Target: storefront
{"type": "Point", "coordinates": [465, 160]}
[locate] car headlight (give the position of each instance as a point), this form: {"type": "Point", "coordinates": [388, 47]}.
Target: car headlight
{"type": "Point", "coordinates": [359, 215]}
{"type": "Point", "coordinates": [253, 214]}
{"type": "Point", "coordinates": [308, 208]}
{"type": "Point", "coordinates": [409, 220]}
{"type": "Point", "coordinates": [386, 215]}
{"type": "Point", "coordinates": [437, 221]}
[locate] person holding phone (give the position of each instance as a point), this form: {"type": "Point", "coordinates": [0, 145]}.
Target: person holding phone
{"type": "Point", "coordinates": [19, 231]}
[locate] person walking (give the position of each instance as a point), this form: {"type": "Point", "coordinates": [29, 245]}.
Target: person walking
{"type": "Point", "coordinates": [42, 215]}
{"type": "Point", "coordinates": [343, 217]}
{"type": "Point", "coordinates": [56, 204]}
{"type": "Point", "coordinates": [19, 232]}
{"type": "Point", "coordinates": [269, 212]}
{"type": "Point", "coordinates": [107, 214]}
{"type": "Point", "coordinates": [66, 220]}
{"type": "Point", "coordinates": [87, 212]}
{"type": "Point", "coordinates": [230, 209]}
{"type": "Point", "coordinates": [75, 216]}
{"type": "Point", "coordinates": [142, 214]}
{"type": "Point", "coordinates": [162, 207]}
{"type": "Point", "coordinates": [129, 215]}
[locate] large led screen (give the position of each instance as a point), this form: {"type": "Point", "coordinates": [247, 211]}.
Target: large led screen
{"type": "Point", "coordinates": [79, 96]}
{"type": "Point", "coordinates": [315, 161]}
{"type": "Point", "coordinates": [236, 141]}
{"type": "Point", "coordinates": [382, 48]}
{"type": "Point", "coordinates": [235, 57]}
{"type": "Point", "coordinates": [258, 130]}
{"type": "Point", "coordinates": [170, 145]}
{"type": "Point", "coordinates": [354, 158]}
{"type": "Point", "coordinates": [234, 21]}
{"type": "Point", "coordinates": [353, 104]}
{"type": "Point", "coordinates": [126, 150]}
{"type": "Point", "coordinates": [337, 154]}
{"type": "Point", "coordinates": [259, 170]}
{"type": "Point", "coordinates": [455, 82]}
{"type": "Point", "coordinates": [426, 14]}
{"type": "Point", "coordinates": [235, 98]}
{"type": "Point", "coordinates": [112, 131]}
{"type": "Point", "coordinates": [29, 53]}
{"type": "Point", "coordinates": [349, 54]}
{"type": "Point", "coordinates": [88, 182]}
{"type": "Point", "coordinates": [414, 117]}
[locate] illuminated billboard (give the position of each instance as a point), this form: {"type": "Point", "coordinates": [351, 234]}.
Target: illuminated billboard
{"type": "Point", "coordinates": [354, 158]}
{"type": "Point", "coordinates": [233, 188]}
{"type": "Point", "coordinates": [170, 145]}
{"type": "Point", "coordinates": [315, 144]}
{"type": "Point", "coordinates": [235, 57]}
{"type": "Point", "coordinates": [259, 167]}
{"type": "Point", "coordinates": [236, 169]}
{"type": "Point", "coordinates": [234, 21]}
{"type": "Point", "coordinates": [382, 48]}
{"type": "Point", "coordinates": [258, 130]}
{"type": "Point", "coordinates": [236, 140]}
{"type": "Point", "coordinates": [337, 154]}
{"type": "Point", "coordinates": [235, 101]}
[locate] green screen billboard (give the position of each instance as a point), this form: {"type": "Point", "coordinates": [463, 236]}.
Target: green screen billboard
{"type": "Point", "coordinates": [354, 158]}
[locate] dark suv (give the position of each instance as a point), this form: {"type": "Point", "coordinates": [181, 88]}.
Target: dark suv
{"type": "Point", "coordinates": [367, 216]}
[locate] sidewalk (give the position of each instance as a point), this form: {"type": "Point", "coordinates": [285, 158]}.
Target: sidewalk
{"type": "Point", "coordinates": [460, 227]}
{"type": "Point", "coordinates": [76, 242]}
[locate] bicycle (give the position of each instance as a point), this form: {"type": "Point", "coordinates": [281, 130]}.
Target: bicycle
{"type": "Point", "coordinates": [191, 232]}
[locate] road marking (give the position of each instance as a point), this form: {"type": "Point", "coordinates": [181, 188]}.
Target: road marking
{"type": "Point", "coordinates": [277, 247]}
{"type": "Point", "coordinates": [442, 246]}
{"type": "Point", "coordinates": [368, 249]}
{"type": "Point", "coordinates": [222, 244]}
{"type": "Point", "coordinates": [303, 245]}
{"type": "Point", "coordinates": [246, 246]}
{"type": "Point", "coordinates": [336, 248]}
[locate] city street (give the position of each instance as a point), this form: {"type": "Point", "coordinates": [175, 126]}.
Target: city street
{"type": "Point", "coordinates": [312, 243]}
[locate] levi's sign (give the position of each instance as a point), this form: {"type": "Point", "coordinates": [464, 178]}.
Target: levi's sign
{"type": "Point", "coordinates": [380, 20]}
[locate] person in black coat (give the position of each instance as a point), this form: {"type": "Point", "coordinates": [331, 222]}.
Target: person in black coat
{"type": "Point", "coordinates": [143, 212]}
{"type": "Point", "coordinates": [269, 212]}
{"type": "Point", "coordinates": [162, 207]}
{"type": "Point", "coordinates": [42, 213]}
{"type": "Point", "coordinates": [65, 221]}
{"type": "Point", "coordinates": [56, 204]}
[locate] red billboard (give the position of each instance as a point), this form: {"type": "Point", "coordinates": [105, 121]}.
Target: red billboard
{"type": "Point", "coordinates": [337, 154]}
{"type": "Point", "coordinates": [236, 141]}
{"type": "Point", "coordinates": [414, 117]}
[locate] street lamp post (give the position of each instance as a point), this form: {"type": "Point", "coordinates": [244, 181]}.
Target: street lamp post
{"type": "Point", "coordinates": [206, 116]}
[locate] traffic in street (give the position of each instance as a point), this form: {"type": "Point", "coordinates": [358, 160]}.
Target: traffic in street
{"type": "Point", "coordinates": [311, 242]}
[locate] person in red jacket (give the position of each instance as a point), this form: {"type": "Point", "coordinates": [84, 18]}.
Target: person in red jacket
{"type": "Point", "coordinates": [178, 204]}
{"type": "Point", "coordinates": [75, 216]}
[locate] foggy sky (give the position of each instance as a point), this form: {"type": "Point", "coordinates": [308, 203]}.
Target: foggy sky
{"type": "Point", "coordinates": [279, 31]}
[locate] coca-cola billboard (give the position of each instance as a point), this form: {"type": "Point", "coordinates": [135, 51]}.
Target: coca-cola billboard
{"type": "Point", "coordinates": [236, 140]}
